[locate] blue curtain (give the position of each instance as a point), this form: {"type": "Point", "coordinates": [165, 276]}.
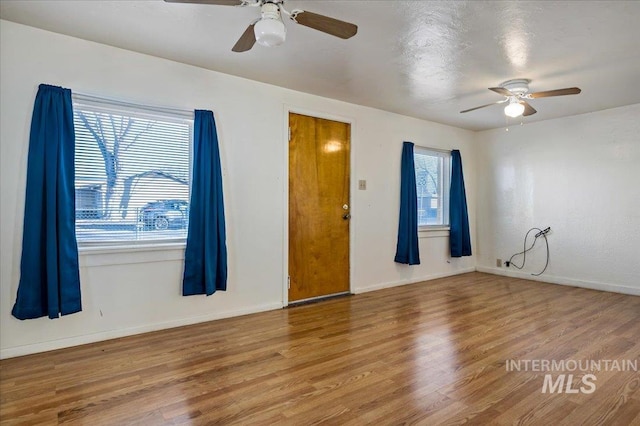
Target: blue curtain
{"type": "Point", "coordinates": [460, 240]}
{"type": "Point", "coordinates": [407, 248]}
{"type": "Point", "coordinates": [205, 263]}
{"type": "Point", "coordinates": [49, 275]}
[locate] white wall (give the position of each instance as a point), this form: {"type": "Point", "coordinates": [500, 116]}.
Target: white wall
{"type": "Point", "coordinates": [580, 176]}
{"type": "Point", "coordinates": [139, 290]}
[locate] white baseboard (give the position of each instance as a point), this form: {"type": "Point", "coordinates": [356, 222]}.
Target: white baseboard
{"type": "Point", "coordinates": [550, 279]}
{"type": "Point", "coordinates": [114, 334]}
{"type": "Point", "coordinates": [412, 280]}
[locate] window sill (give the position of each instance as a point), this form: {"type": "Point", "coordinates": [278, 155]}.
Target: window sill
{"type": "Point", "coordinates": [433, 232]}
{"type": "Point", "coordinates": [90, 256]}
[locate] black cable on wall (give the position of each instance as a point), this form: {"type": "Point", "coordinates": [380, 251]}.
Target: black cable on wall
{"type": "Point", "coordinates": [541, 233]}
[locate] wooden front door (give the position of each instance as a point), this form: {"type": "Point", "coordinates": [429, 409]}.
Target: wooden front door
{"type": "Point", "coordinates": [319, 209]}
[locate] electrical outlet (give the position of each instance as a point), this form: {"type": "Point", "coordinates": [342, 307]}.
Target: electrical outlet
{"type": "Point", "coordinates": [499, 263]}
{"type": "Point", "coordinates": [362, 185]}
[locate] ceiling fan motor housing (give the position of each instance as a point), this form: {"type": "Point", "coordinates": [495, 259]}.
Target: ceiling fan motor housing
{"type": "Point", "coordinates": [517, 87]}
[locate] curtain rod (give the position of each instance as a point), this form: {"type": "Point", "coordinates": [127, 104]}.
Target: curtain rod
{"type": "Point", "coordinates": [92, 98]}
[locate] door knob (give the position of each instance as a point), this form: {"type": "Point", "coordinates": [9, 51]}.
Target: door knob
{"type": "Point", "coordinates": [346, 216]}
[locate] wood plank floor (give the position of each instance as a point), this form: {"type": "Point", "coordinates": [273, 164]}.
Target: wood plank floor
{"type": "Point", "coordinates": [430, 353]}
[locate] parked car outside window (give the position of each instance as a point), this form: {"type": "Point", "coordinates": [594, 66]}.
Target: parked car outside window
{"type": "Point", "coordinates": [165, 214]}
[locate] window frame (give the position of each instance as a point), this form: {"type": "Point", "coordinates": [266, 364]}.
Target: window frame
{"type": "Point", "coordinates": [137, 111]}
{"type": "Point", "coordinates": [444, 185]}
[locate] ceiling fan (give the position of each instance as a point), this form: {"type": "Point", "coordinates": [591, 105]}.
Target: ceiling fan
{"type": "Point", "coordinates": [269, 30]}
{"type": "Point", "coordinates": [516, 92]}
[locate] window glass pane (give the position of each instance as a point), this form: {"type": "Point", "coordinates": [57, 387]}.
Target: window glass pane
{"type": "Point", "coordinates": [132, 175]}
{"type": "Point", "coordinates": [432, 184]}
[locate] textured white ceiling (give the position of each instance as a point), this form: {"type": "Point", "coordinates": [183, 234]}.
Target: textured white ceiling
{"type": "Point", "coordinates": [426, 59]}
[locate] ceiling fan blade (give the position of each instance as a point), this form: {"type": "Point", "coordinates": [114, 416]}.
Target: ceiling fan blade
{"type": "Point", "coordinates": [331, 26]}
{"type": "Point", "coordinates": [528, 109]}
{"type": "Point", "coordinates": [502, 91]}
{"type": "Point", "coordinates": [557, 92]}
{"type": "Point", "coordinates": [218, 2]}
{"type": "Point", "coordinates": [483, 106]}
{"type": "Point", "coordinates": [246, 40]}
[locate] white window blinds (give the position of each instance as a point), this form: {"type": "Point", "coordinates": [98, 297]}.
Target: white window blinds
{"type": "Point", "coordinates": [132, 173]}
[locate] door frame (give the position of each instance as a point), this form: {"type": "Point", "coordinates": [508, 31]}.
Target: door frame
{"type": "Point", "coordinates": [285, 253]}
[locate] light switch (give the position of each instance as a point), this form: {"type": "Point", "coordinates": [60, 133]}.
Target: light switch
{"type": "Point", "coordinates": [362, 185]}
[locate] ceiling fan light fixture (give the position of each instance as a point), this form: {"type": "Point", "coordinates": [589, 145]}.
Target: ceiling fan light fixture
{"type": "Point", "coordinates": [270, 32]}
{"type": "Point", "coordinates": [514, 109]}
